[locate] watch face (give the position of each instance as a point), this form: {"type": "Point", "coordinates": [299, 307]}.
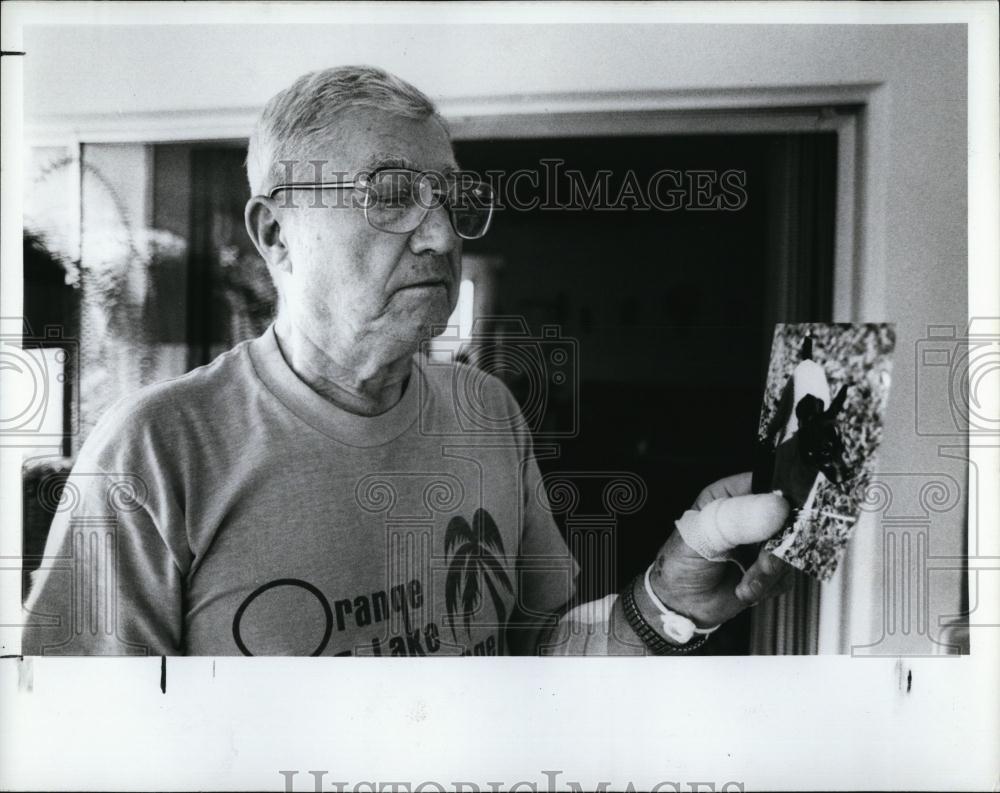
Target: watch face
{"type": "Point", "coordinates": [678, 628]}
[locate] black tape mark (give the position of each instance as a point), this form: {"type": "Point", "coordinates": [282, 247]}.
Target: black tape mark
{"type": "Point", "coordinates": [163, 674]}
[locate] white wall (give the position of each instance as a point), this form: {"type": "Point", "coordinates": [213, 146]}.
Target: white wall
{"type": "Point", "coordinates": [912, 251]}
{"type": "Point", "coordinates": [180, 67]}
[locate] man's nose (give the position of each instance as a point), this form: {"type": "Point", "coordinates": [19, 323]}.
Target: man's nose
{"type": "Point", "coordinates": [435, 234]}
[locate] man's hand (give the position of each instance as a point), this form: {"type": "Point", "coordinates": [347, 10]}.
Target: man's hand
{"type": "Point", "coordinates": [713, 592]}
{"type": "Point", "coordinates": [708, 592]}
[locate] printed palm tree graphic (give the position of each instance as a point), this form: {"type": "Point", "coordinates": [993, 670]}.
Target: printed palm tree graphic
{"type": "Point", "coordinates": [475, 560]}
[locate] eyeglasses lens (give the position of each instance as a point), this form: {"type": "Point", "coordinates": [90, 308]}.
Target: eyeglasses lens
{"type": "Point", "coordinates": [471, 206]}
{"type": "Point", "coordinates": [397, 201]}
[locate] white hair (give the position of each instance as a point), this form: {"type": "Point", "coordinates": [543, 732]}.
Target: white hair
{"type": "Point", "coordinates": [300, 116]}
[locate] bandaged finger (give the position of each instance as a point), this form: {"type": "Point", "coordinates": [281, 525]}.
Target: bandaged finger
{"type": "Point", "coordinates": [700, 530]}
{"type": "Point", "coordinates": [718, 527]}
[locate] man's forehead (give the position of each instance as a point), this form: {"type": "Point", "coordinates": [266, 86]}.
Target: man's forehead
{"type": "Point", "coordinates": [365, 140]}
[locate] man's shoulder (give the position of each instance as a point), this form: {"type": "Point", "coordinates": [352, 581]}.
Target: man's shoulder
{"type": "Point", "coordinates": [172, 409]}
{"type": "Point", "coordinates": [201, 388]}
{"type": "Point", "coordinates": [468, 400]}
{"type": "Point", "coordinates": [459, 380]}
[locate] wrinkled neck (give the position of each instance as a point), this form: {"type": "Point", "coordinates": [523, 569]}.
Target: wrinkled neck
{"type": "Point", "coordinates": [358, 377]}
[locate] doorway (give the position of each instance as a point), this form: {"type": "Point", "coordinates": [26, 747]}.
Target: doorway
{"type": "Point", "coordinates": [672, 309]}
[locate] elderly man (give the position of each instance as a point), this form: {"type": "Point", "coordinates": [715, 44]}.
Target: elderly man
{"type": "Point", "coordinates": [311, 492]}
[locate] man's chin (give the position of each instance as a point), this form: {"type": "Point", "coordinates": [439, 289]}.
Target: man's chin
{"type": "Point", "coordinates": [430, 320]}
{"type": "Point", "coordinates": [417, 331]}
{"type": "Point", "coordinates": [433, 297]}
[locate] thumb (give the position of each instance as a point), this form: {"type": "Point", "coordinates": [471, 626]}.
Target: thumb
{"type": "Point", "coordinates": [725, 523]}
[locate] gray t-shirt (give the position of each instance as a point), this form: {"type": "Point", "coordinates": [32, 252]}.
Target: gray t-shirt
{"type": "Point", "coordinates": [235, 510]}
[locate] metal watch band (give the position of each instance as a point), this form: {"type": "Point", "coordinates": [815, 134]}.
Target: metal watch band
{"type": "Point", "coordinates": [654, 642]}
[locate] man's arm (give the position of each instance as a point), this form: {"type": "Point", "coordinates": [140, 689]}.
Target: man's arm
{"type": "Point", "coordinates": [707, 592]}
{"type": "Point", "coordinates": [108, 584]}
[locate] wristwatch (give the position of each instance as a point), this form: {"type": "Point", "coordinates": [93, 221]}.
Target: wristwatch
{"type": "Point", "coordinates": [654, 642]}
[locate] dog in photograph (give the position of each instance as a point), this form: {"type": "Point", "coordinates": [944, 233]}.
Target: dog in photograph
{"type": "Point", "coordinates": [804, 439]}
{"type": "Point", "coordinates": [820, 445]}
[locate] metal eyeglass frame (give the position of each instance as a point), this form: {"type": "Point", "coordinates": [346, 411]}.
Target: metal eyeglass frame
{"type": "Point", "coordinates": [364, 182]}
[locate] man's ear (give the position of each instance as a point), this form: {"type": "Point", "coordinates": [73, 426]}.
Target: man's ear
{"type": "Point", "coordinates": [265, 232]}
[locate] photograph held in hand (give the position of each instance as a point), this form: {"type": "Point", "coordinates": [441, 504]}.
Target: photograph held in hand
{"type": "Point", "coordinates": [821, 426]}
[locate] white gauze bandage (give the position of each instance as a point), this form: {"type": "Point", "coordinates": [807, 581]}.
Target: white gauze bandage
{"type": "Point", "coordinates": [700, 530]}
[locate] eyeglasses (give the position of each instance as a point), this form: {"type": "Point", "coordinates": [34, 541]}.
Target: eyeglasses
{"type": "Point", "coordinates": [397, 200]}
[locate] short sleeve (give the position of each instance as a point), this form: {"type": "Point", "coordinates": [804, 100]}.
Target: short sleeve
{"type": "Point", "coordinates": [108, 584]}
{"type": "Point", "coordinates": [547, 569]}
